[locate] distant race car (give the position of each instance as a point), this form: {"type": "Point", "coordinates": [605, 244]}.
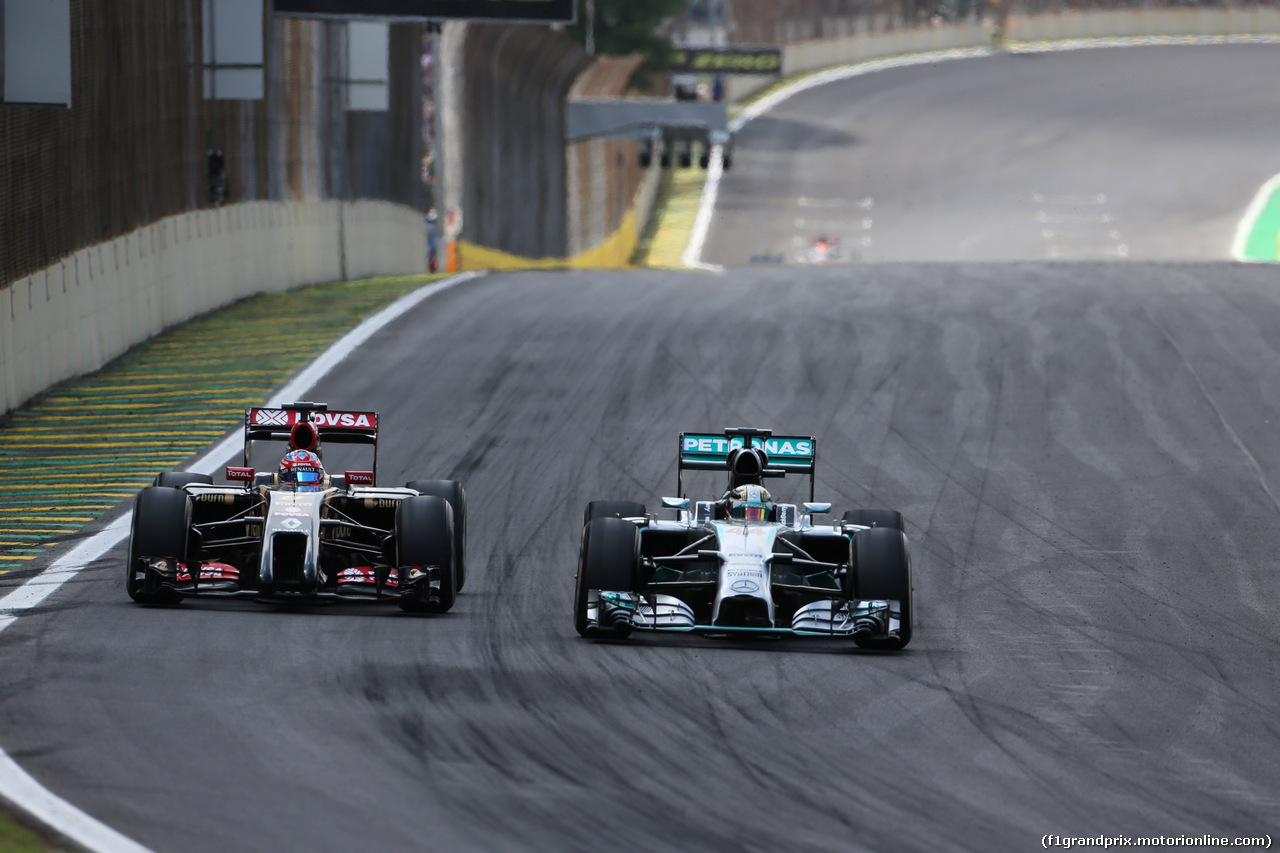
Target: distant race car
{"type": "Point", "coordinates": [744, 564]}
{"type": "Point", "coordinates": [313, 537]}
{"type": "Point", "coordinates": [823, 250]}
{"type": "Point", "coordinates": [767, 256]}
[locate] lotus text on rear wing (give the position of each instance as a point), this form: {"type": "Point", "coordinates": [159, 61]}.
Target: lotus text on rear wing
{"type": "Point", "coordinates": [282, 417]}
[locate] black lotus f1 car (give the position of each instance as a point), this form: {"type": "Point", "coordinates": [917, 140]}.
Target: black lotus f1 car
{"type": "Point", "coordinates": [343, 538]}
{"type": "Point", "coordinates": [777, 573]}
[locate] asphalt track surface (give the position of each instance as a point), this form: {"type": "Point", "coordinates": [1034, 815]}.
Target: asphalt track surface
{"type": "Point", "coordinates": [1087, 457]}
{"type": "Point", "coordinates": [1142, 152]}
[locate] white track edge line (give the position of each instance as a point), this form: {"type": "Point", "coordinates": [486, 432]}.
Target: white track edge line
{"type": "Point", "coordinates": [1251, 215]}
{"type": "Point", "coordinates": [16, 785]}
{"type": "Point", "coordinates": [706, 207]}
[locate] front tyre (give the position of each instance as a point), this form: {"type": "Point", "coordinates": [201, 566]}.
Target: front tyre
{"type": "Point", "coordinates": [612, 509]}
{"type": "Point", "coordinates": [161, 520]}
{"type": "Point", "coordinates": [608, 559]}
{"type": "Point", "coordinates": [882, 572]}
{"type": "Point", "coordinates": [424, 537]}
{"type": "Point", "coordinates": [451, 491]}
{"type": "Point", "coordinates": [178, 479]}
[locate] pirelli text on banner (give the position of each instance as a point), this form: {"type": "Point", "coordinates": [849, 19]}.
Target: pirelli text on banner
{"type": "Point", "coordinates": [719, 60]}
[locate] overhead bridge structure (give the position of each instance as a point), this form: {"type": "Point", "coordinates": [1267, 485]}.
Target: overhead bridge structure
{"type": "Point", "coordinates": [671, 128]}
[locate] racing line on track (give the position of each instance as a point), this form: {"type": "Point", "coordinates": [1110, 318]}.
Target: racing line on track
{"type": "Point", "coordinates": [16, 785]}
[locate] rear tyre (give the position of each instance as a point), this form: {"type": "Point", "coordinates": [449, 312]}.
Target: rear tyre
{"type": "Point", "coordinates": [161, 520]}
{"type": "Point", "coordinates": [608, 559]}
{"type": "Point", "coordinates": [178, 479]}
{"type": "Point", "coordinates": [882, 571]}
{"type": "Point", "coordinates": [612, 509]}
{"type": "Point", "coordinates": [451, 491]}
{"type": "Point", "coordinates": [424, 537]}
{"type": "Point", "coordinates": [890, 518]}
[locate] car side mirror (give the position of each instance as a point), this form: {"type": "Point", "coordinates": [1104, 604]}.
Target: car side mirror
{"type": "Point", "coordinates": [675, 503]}
{"type": "Point", "coordinates": [813, 508]}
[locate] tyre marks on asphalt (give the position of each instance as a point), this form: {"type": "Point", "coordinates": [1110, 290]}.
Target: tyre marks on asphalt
{"type": "Point", "coordinates": [91, 443]}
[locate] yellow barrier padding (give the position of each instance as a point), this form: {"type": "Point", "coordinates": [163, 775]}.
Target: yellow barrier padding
{"type": "Point", "coordinates": [613, 253]}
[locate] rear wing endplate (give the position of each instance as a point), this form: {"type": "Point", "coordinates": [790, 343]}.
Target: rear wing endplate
{"type": "Point", "coordinates": [788, 454]}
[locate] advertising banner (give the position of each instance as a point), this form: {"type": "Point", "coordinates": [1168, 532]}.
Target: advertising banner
{"type": "Point", "coordinates": [532, 11]}
{"type": "Point", "coordinates": [727, 60]}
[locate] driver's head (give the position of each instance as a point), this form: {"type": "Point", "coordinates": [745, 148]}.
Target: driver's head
{"type": "Point", "coordinates": [302, 470]}
{"type": "Point", "coordinates": [749, 503]}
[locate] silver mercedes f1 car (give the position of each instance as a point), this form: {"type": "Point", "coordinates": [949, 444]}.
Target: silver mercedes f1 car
{"type": "Point", "coordinates": [744, 564]}
{"type": "Point", "coordinates": [312, 538]}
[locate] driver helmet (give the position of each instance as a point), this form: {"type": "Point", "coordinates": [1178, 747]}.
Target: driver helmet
{"type": "Point", "coordinates": [302, 470]}
{"type": "Point", "coordinates": [749, 503]}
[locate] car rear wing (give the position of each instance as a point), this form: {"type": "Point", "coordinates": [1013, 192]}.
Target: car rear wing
{"type": "Point", "coordinates": [787, 454]}
{"type": "Point", "coordinates": [281, 424]}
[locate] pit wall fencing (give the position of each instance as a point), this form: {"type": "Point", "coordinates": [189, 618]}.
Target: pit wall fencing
{"type": "Point", "coordinates": [803, 56]}
{"type": "Point", "coordinates": [75, 316]}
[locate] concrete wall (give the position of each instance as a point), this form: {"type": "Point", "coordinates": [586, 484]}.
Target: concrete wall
{"type": "Point", "coordinates": [75, 316]}
{"type": "Point", "coordinates": [515, 78]}
{"type": "Point", "coordinates": [822, 53]}
{"type": "Point", "coordinates": [603, 174]}
{"type": "Point", "coordinates": [1148, 22]}
{"type": "Point", "coordinates": [810, 55]}
{"type": "Point", "coordinates": [614, 252]}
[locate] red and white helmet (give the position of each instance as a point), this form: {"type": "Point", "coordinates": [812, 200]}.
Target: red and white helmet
{"type": "Point", "coordinates": [302, 470]}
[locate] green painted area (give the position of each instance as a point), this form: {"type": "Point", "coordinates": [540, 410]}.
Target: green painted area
{"type": "Point", "coordinates": [1263, 243]}
{"type": "Point", "coordinates": [89, 443]}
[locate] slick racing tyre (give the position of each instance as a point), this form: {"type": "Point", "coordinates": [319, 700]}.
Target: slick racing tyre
{"type": "Point", "coordinates": [161, 519]}
{"type": "Point", "coordinates": [612, 509]}
{"type": "Point", "coordinates": [608, 559]}
{"type": "Point", "coordinates": [451, 491]}
{"type": "Point", "coordinates": [424, 537]}
{"type": "Point", "coordinates": [178, 479]}
{"type": "Point", "coordinates": [875, 518]}
{"type": "Point", "coordinates": [882, 571]}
